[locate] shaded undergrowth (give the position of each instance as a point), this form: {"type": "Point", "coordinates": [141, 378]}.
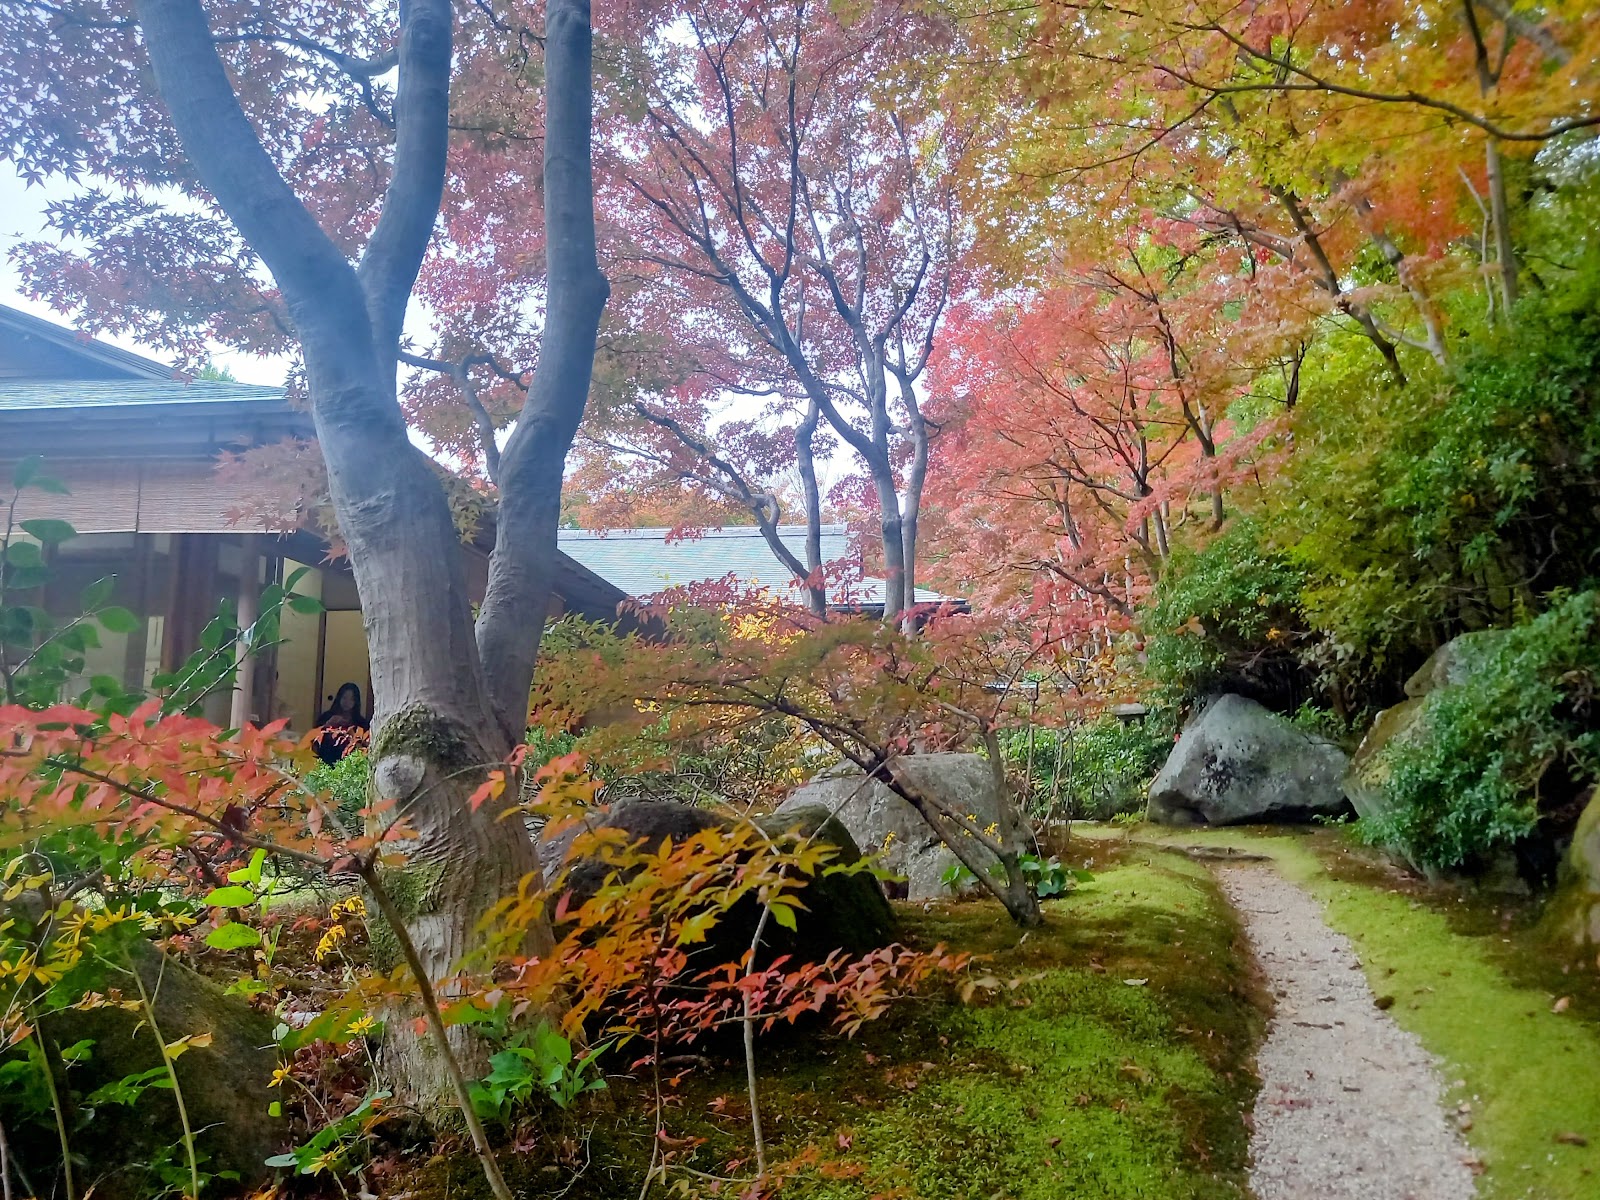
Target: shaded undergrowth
{"type": "Point", "coordinates": [1116, 1066]}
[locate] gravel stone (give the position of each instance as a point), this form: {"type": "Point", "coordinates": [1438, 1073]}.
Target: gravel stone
{"type": "Point", "coordinates": [1351, 1106]}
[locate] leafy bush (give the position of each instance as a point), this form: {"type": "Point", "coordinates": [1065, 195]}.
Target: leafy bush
{"type": "Point", "coordinates": [1046, 876]}
{"type": "Point", "coordinates": [1465, 781]}
{"type": "Point", "coordinates": [346, 782]}
{"type": "Point", "coordinates": [1226, 617]}
{"type": "Point", "coordinates": [1094, 771]}
{"type": "Point", "coordinates": [1454, 506]}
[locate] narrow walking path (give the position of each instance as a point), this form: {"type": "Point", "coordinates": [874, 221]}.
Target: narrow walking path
{"type": "Point", "coordinates": [1351, 1105]}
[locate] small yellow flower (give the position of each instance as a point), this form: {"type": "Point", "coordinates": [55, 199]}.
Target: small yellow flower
{"type": "Point", "coordinates": [102, 921]}
{"type": "Point", "coordinates": [352, 907]}
{"type": "Point", "coordinates": [330, 942]}
{"type": "Point", "coordinates": [362, 1026]}
{"type": "Point", "coordinates": [279, 1077]}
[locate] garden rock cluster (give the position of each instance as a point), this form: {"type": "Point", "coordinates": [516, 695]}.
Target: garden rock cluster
{"type": "Point", "coordinates": [881, 821]}
{"type": "Point", "coordinates": [1238, 763]}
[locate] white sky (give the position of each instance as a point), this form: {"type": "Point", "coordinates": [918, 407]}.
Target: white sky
{"type": "Point", "coordinates": [22, 220]}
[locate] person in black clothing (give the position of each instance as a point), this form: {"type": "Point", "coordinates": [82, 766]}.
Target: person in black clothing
{"type": "Point", "coordinates": [343, 725]}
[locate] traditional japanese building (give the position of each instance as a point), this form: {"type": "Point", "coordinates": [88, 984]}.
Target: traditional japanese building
{"type": "Point", "coordinates": [138, 447]}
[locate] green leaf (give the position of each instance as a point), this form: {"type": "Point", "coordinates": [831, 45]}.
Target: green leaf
{"type": "Point", "coordinates": [80, 1051]}
{"type": "Point", "coordinates": [783, 915]}
{"type": "Point", "coordinates": [251, 873]}
{"type": "Point", "coordinates": [24, 578]}
{"type": "Point", "coordinates": [98, 592]}
{"type": "Point", "coordinates": [24, 554]}
{"type": "Point", "coordinates": [26, 471]}
{"type": "Point", "coordinates": [48, 530]}
{"type": "Point", "coordinates": [232, 896]}
{"type": "Point", "coordinates": [79, 637]}
{"type": "Point", "coordinates": [106, 685]}
{"type": "Point", "coordinates": [233, 936]}
{"type": "Point", "coordinates": [309, 605]}
{"type": "Point", "coordinates": [117, 620]}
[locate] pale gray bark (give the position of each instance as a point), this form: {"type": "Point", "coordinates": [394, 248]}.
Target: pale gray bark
{"type": "Point", "coordinates": [440, 717]}
{"type": "Point", "coordinates": [716, 471]}
{"type": "Point", "coordinates": [513, 614]}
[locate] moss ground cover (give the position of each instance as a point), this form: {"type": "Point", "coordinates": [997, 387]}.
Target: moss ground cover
{"type": "Point", "coordinates": [1519, 1036]}
{"type": "Point", "coordinates": [1116, 1067]}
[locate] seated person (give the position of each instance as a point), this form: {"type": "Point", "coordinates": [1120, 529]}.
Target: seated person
{"type": "Point", "coordinates": [343, 726]}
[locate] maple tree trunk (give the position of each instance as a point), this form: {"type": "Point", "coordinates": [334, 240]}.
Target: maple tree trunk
{"type": "Point", "coordinates": [517, 603]}
{"type": "Point", "coordinates": [916, 479]}
{"type": "Point", "coordinates": [806, 460]}
{"type": "Point", "coordinates": [1500, 211]}
{"type": "Point", "coordinates": [443, 713]}
{"type": "Point", "coordinates": [894, 562]}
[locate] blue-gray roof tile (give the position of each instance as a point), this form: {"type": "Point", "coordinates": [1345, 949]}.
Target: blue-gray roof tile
{"type": "Point", "coordinates": [643, 562]}
{"type": "Point", "coordinates": [45, 394]}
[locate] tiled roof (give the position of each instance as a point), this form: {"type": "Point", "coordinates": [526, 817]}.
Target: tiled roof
{"type": "Point", "coordinates": [643, 562]}
{"type": "Point", "coordinates": [94, 349]}
{"type": "Point", "coordinates": [38, 395]}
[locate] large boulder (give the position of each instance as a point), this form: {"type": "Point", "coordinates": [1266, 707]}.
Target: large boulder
{"type": "Point", "coordinates": [1365, 782]}
{"type": "Point", "coordinates": [881, 821]}
{"type": "Point", "coordinates": [1574, 911]}
{"type": "Point", "coordinates": [1238, 763]}
{"type": "Point", "coordinates": [843, 911]}
{"type": "Point", "coordinates": [1454, 662]}
{"type": "Point", "coordinates": [226, 1082]}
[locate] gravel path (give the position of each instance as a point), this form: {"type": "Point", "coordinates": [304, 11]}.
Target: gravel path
{"type": "Point", "coordinates": [1351, 1104]}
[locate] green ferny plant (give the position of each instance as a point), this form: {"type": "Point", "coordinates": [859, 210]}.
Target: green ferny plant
{"type": "Point", "coordinates": [541, 1061]}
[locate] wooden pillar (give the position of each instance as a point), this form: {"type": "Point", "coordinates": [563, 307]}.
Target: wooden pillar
{"type": "Point", "coordinates": [244, 684]}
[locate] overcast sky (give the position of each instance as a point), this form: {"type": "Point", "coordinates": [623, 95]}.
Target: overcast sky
{"type": "Point", "coordinates": [22, 220]}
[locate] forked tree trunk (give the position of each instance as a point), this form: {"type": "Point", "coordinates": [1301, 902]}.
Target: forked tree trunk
{"type": "Point", "coordinates": [442, 713]}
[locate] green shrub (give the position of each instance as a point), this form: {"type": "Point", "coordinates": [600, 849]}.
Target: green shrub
{"type": "Point", "coordinates": [1464, 782]}
{"type": "Point", "coordinates": [1225, 616]}
{"type": "Point", "coordinates": [346, 781]}
{"type": "Point", "coordinates": [1455, 505]}
{"type": "Point", "coordinates": [1094, 771]}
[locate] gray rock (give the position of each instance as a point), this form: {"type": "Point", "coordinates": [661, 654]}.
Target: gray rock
{"type": "Point", "coordinates": [226, 1084]}
{"type": "Point", "coordinates": [1574, 910]}
{"type": "Point", "coordinates": [1364, 782]}
{"type": "Point", "coordinates": [1454, 662]}
{"type": "Point", "coordinates": [843, 911]}
{"type": "Point", "coordinates": [1451, 664]}
{"type": "Point", "coordinates": [882, 822]}
{"type": "Point", "coordinates": [1237, 763]}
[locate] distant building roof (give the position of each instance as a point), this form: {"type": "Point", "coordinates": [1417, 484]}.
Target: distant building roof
{"type": "Point", "coordinates": [37, 348]}
{"type": "Point", "coordinates": [136, 441]}
{"type": "Point", "coordinates": [30, 394]}
{"type": "Point", "coordinates": [643, 561]}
